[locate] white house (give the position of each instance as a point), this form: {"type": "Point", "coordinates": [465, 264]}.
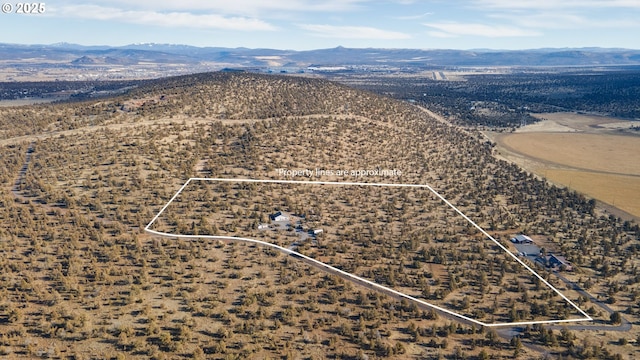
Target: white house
{"type": "Point", "coordinates": [279, 216]}
{"type": "Point", "coordinates": [317, 231]}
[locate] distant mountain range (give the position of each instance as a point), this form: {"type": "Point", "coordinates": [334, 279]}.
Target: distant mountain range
{"type": "Point", "coordinates": [64, 61]}
{"type": "Point", "coordinates": [79, 55]}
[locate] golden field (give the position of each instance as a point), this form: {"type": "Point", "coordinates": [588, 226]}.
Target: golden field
{"type": "Point", "coordinates": [596, 156]}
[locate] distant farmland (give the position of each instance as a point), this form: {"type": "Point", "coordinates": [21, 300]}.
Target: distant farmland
{"type": "Point", "coordinates": [585, 153]}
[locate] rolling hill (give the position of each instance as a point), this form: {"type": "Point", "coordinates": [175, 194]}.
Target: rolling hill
{"type": "Point", "coordinates": [81, 278]}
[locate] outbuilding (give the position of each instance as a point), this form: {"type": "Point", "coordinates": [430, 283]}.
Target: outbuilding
{"type": "Point", "coordinates": [279, 216]}
{"type": "Point", "coordinates": [522, 239]}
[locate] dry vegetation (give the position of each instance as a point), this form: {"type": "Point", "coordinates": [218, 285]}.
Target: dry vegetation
{"type": "Point", "coordinates": [401, 238]}
{"type": "Point", "coordinates": [80, 279]}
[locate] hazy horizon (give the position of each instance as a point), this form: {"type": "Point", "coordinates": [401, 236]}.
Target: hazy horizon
{"type": "Point", "coordinates": [305, 25]}
{"type": "Point", "coordinates": [63, 43]}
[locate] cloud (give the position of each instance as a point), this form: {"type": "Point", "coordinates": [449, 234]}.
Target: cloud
{"type": "Point", "coordinates": [352, 32]}
{"type": "Point", "coordinates": [165, 19]}
{"type": "Point", "coordinates": [562, 20]}
{"type": "Point", "coordinates": [238, 7]}
{"type": "Point", "coordinates": [413, 17]}
{"type": "Point", "coordinates": [440, 34]}
{"type": "Point", "coordinates": [559, 20]}
{"type": "Point", "coordinates": [452, 29]}
{"type": "Point", "coordinates": [565, 14]}
{"type": "Point", "coordinates": [543, 20]}
{"type": "Point", "coordinates": [556, 4]}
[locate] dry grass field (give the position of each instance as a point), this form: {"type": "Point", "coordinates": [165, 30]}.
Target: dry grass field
{"type": "Point", "coordinates": [620, 191]}
{"type": "Point", "coordinates": [579, 122]}
{"type": "Point", "coordinates": [597, 152]}
{"type": "Point", "coordinates": [591, 154]}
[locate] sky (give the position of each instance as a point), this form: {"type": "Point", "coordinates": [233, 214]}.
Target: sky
{"type": "Point", "coordinates": [316, 24]}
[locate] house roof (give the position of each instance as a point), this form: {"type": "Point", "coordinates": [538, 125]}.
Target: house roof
{"type": "Point", "coordinates": [523, 238]}
{"type": "Point", "coordinates": [559, 258]}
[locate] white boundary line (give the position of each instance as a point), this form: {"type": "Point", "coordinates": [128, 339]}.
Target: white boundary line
{"type": "Point", "coordinates": [369, 282]}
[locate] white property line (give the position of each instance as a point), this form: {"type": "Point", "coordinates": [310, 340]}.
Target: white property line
{"type": "Point", "coordinates": [369, 282]}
